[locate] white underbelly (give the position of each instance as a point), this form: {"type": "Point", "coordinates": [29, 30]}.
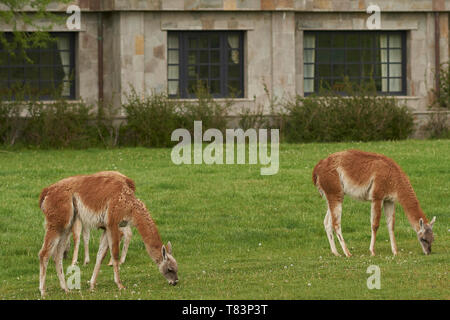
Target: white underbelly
{"type": "Point", "coordinates": [90, 218]}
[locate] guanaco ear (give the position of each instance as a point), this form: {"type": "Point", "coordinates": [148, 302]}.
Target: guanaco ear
{"type": "Point", "coordinates": [163, 252]}
{"type": "Point", "coordinates": [432, 221]}
{"type": "Point", "coordinates": [421, 224]}
{"type": "Point", "coordinates": [169, 247]}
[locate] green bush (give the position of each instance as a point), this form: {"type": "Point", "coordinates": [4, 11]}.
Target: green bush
{"type": "Point", "coordinates": [211, 112]}
{"type": "Point", "coordinates": [59, 124]}
{"type": "Point", "coordinates": [438, 126]}
{"type": "Point", "coordinates": [361, 115]}
{"type": "Point", "coordinates": [11, 122]}
{"type": "Point", "coordinates": [152, 119]}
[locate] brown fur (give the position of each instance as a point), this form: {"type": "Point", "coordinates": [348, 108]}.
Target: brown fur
{"type": "Point", "coordinates": [103, 200]}
{"type": "Point", "coordinates": [370, 177]}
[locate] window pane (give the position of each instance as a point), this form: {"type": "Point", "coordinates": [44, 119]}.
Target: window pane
{"type": "Point", "coordinates": [32, 72]}
{"type": "Point", "coordinates": [3, 73]}
{"type": "Point", "coordinates": [192, 71]}
{"type": "Point", "coordinates": [173, 88]}
{"type": "Point", "coordinates": [204, 56]}
{"type": "Point", "coordinates": [215, 72]}
{"type": "Point", "coordinates": [354, 56]}
{"type": "Point", "coordinates": [204, 72]}
{"type": "Point", "coordinates": [395, 70]}
{"type": "Point", "coordinates": [368, 70]}
{"type": "Point", "coordinates": [323, 56]}
{"type": "Point", "coordinates": [324, 70]}
{"type": "Point", "coordinates": [234, 87]}
{"type": "Point", "coordinates": [47, 73]}
{"type": "Point", "coordinates": [353, 41]}
{"type": "Point", "coordinates": [203, 42]}
{"type": "Point", "coordinates": [173, 57]}
{"type": "Point", "coordinates": [395, 55]}
{"type": "Point", "coordinates": [339, 70]}
{"type": "Point", "coordinates": [47, 58]}
{"type": "Point", "coordinates": [233, 41]}
{"type": "Point", "coordinates": [367, 41]}
{"type": "Point", "coordinates": [63, 43]}
{"type": "Point", "coordinates": [395, 41]}
{"type": "Point", "coordinates": [395, 85]}
{"type": "Point", "coordinates": [33, 57]}
{"type": "Point", "coordinates": [192, 57]}
{"type": "Point", "coordinates": [353, 70]}
{"type": "Point", "coordinates": [215, 41]}
{"type": "Point", "coordinates": [215, 56]}
{"type": "Point", "coordinates": [172, 41]}
{"type": "Point", "coordinates": [173, 72]}
{"type": "Point", "coordinates": [309, 41]}
{"type": "Point", "coordinates": [214, 87]}
{"type": "Point", "coordinates": [339, 41]}
{"type": "Point", "coordinates": [234, 71]}
{"type": "Point", "coordinates": [234, 57]}
{"type": "Point", "coordinates": [192, 43]}
{"type": "Point", "coordinates": [308, 70]}
{"type": "Point", "coordinates": [323, 40]}
{"type": "Point", "coordinates": [308, 56]}
{"type": "Point", "coordinates": [366, 56]}
{"type": "Point", "coordinates": [308, 85]}
{"type": "Point", "coordinates": [17, 74]}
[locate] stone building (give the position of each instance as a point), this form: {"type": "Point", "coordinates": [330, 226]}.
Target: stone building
{"type": "Point", "coordinates": [246, 48]}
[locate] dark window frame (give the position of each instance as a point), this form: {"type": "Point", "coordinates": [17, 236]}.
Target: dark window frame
{"type": "Point", "coordinates": [40, 81]}
{"type": "Point", "coordinates": [223, 78]}
{"type": "Point", "coordinates": [361, 63]}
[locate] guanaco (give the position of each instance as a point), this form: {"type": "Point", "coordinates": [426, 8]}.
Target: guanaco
{"type": "Point", "coordinates": [369, 177]}
{"type": "Point", "coordinates": [103, 200]}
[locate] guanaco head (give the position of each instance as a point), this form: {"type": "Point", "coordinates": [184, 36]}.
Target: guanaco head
{"type": "Point", "coordinates": [425, 235]}
{"type": "Point", "coordinates": [168, 267]}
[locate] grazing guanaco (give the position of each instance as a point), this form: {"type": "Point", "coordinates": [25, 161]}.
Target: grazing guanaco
{"type": "Point", "coordinates": [369, 177]}
{"type": "Point", "coordinates": [104, 200]}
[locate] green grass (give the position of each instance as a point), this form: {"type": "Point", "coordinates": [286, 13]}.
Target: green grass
{"type": "Point", "coordinates": [235, 234]}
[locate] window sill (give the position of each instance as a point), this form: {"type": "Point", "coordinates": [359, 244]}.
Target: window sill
{"type": "Point", "coordinates": [215, 99]}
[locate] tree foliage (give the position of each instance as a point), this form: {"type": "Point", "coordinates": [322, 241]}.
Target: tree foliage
{"type": "Point", "coordinates": [27, 15]}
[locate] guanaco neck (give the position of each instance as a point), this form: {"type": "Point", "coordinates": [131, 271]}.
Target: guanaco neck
{"type": "Point", "coordinates": [149, 233]}
{"type": "Point", "coordinates": [408, 199]}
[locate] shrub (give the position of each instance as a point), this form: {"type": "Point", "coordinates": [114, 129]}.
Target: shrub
{"type": "Point", "coordinates": [437, 125]}
{"type": "Point", "coordinates": [59, 124]}
{"type": "Point", "coordinates": [361, 115]}
{"type": "Point", "coordinates": [11, 122]}
{"type": "Point", "coordinates": [150, 120]}
{"type": "Point", "coordinates": [211, 112]}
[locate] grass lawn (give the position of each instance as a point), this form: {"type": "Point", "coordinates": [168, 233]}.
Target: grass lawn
{"type": "Point", "coordinates": [235, 234]}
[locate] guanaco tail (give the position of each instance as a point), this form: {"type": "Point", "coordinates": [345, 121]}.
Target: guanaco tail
{"type": "Point", "coordinates": [103, 200]}
{"type": "Point", "coordinates": [369, 177]}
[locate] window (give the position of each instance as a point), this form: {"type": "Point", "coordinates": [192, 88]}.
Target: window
{"type": "Point", "coordinates": [361, 56]}
{"type": "Point", "coordinates": [46, 71]}
{"type": "Point", "coordinates": [209, 58]}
